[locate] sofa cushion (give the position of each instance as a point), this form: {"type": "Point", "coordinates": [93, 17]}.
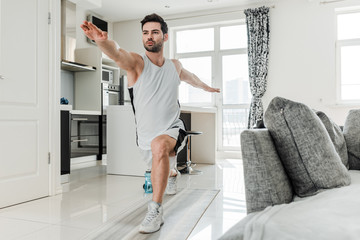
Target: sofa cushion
{"type": "Point", "coordinates": [266, 182]}
{"type": "Point", "coordinates": [352, 137]}
{"type": "Point", "coordinates": [336, 136]}
{"type": "Point", "coordinates": [304, 147]}
{"type": "Point", "coordinates": [236, 232]}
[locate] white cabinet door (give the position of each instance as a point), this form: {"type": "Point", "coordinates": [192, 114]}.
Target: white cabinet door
{"type": "Point", "coordinates": [24, 96]}
{"type": "Point", "coordinates": [123, 155]}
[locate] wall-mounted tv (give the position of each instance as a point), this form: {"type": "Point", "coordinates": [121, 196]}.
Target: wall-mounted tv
{"type": "Point", "coordinates": [103, 25]}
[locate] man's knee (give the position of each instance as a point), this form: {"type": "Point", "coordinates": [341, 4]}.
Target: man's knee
{"type": "Point", "coordinates": [161, 147]}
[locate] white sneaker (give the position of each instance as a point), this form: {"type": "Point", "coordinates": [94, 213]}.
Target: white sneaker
{"type": "Point", "coordinates": [153, 220]}
{"type": "Point", "coordinates": [171, 186]}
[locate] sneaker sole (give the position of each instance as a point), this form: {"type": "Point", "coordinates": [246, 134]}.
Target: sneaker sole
{"type": "Point", "coordinates": [171, 193]}
{"type": "Point", "coordinates": [144, 232]}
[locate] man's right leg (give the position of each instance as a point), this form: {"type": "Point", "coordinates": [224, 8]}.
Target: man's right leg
{"type": "Point", "coordinates": [161, 148]}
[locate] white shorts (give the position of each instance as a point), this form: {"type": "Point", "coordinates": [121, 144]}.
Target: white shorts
{"type": "Point", "coordinates": [179, 135]}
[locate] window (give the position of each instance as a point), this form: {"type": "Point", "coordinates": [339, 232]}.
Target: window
{"type": "Point", "coordinates": [201, 66]}
{"type": "Point", "coordinates": [195, 40]}
{"type": "Point", "coordinates": [217, 54]}
{"type": "Point", "coordinates": [348, 56]}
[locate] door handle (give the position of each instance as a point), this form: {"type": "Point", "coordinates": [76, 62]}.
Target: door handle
{"type": "Point", "coordinates": [79, 119]}
{"type": "Point", "coordinates": [80, 140]}
{"type": "Point", "coordinates": [2, 77]}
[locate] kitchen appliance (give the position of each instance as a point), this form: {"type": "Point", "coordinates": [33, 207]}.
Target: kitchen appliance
{"type": "Point", "coordinates": [86, 136]}
{"type": "Point", "coordinates": [107, 76]}
{"type": "Point", "coordinates": [124, 92]}
{"type": "Point", "coordinates": [111, 95]}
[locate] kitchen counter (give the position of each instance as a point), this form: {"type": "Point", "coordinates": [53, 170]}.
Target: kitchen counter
{"type": "Point", "coordinates": [198, 109]}
{"type": "Point", "coordinates": [64, 107]}
{"type": "Point", "coordinates": [85, 112]}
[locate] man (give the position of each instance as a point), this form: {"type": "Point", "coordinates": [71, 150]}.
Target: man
{"type": "Point", "coordinates": [153, 83]}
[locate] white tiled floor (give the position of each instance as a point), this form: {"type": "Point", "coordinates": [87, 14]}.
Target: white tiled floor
{"type": "Point", "coordinates": [92, 198]}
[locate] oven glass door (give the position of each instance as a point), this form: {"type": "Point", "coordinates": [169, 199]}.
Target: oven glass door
{"type": "Point", "coordinates": [113, 98]}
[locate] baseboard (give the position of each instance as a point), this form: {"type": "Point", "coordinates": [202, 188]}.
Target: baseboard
{"type": "Point", "coordinates": [65, 178]}
{"type": "Point", "coordinates": [83, 162]}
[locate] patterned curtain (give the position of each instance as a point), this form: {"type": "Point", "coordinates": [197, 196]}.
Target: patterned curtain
{"type": "Point", "coordinates": [257, 21]}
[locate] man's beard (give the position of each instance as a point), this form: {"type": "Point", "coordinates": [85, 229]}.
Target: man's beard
{"type": "Point", "coordinates": [154, 48]}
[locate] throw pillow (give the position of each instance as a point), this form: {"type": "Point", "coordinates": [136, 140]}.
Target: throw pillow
{"type": "Point", "coordinates": [336, 136]}
{"type": "Point", "coordinates": [266, 182]}
{"type": "Point", "coordinates": [352, 137]}
{"type": "Point", "coordinates": [304, 147]}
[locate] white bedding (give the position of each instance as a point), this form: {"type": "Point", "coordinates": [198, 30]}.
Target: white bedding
{"type": "Point", "coordinates": [331, 214]}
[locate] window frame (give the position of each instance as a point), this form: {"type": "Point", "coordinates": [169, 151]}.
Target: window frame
{"type": "Point", "coordinates": [217, 55]}
{"type": "Point", "coordinates": [339, 44]}
{"type": "Point", "coordinates": [211, 54]}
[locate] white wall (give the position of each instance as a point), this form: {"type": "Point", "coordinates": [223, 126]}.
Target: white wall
{"type": "Point", "coordinates": [67, 86]}
{"type": "Point", "coordinates": [302, 50]}
{"type": "Point", "coordinates": [128, 35]}
{"type": "Point", "coordinates": [302, 55]}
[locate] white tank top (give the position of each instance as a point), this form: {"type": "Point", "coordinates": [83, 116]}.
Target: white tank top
{"type": "Point", "coordinates": [154, 98]}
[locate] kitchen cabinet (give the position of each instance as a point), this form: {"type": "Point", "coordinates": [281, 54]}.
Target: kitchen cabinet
{"type": "Point", "coordinates": [87, 85]}
{"type": "Point", "coordinates": [203, 147]}
{"type": "Point", "coordinates": [85, 120]}
{"type": "Point", "coordinates": [65, 123]}
{"type": "Point", "coordinates": [86, 136]}
{"type": "Point", "coordinates": [83, 134]}
{"type": "Point", "coordinates": [123, 155]}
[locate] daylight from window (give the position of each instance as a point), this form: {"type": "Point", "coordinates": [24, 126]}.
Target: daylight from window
{"type": "Point", "coordinates": [198, 40]}
{"type": "Point", "coordinates": [201, 66]}
{"type": "Point", "coordinates": [218, 56]}
{"type": "Point", "coordinates": [348, 49]}
{"type": "Point", "coordinates": [350, 72]}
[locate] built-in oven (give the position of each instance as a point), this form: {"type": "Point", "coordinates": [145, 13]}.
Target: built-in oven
{"type": "Point", "coordinates": [111, 95]}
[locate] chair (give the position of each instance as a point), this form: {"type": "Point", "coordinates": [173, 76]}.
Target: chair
{"type": "Point", "coordinates": [188, 169]}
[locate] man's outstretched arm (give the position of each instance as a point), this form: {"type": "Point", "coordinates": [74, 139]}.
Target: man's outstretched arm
{"type": "Point", "coordinates": [123, 58]}
{"type": "Point", "coordinates": [192, 79]}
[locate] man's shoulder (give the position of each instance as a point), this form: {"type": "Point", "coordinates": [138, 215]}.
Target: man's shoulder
{"type": "Point", "coordinates": [177, 65]}
{"type": "Point", "coordinates": [175, 61]}
{"type": "Point", "coordinates": [136, 56]}
{"type": "Point", "coordinates": [138, 61]}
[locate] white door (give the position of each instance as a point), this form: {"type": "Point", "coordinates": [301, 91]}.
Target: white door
{"type": "Point", "coordinates": [24, 96]}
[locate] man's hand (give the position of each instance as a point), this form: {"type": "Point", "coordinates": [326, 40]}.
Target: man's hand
{"type": "Point", "coordinates": [210, 89]}
{"type": "Point", "coordinates": [93, 32]}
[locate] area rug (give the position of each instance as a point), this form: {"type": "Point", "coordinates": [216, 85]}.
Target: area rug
{"type": "Point", "coordinates": [181, 212]}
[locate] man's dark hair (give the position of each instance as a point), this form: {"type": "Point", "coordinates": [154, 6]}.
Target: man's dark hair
{"type": "Point", "coordinates": [155, 18]}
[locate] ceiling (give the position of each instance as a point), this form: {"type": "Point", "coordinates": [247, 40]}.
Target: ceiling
{"type": "Point", "coordinates": [122, 10]}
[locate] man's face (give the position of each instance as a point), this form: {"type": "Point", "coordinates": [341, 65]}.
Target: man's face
{"type": "Point", "coordinates": [153, 37]}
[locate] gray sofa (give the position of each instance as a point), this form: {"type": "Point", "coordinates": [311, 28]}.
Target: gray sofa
{"type": "Point", "coordinates": [301, 176]}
